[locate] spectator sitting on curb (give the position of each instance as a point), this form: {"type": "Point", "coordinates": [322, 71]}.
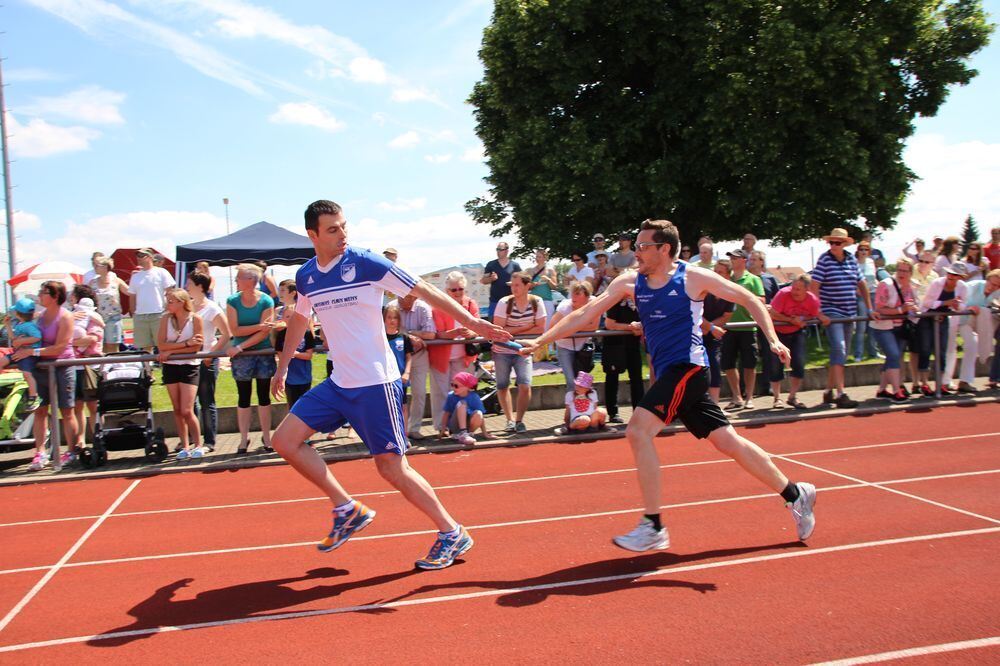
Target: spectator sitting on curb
{"type": "Point", "coordinates": [582, 412]}
{"type": "Point", "coordinates": [497, 274]}
{"type": "Point", "coordinates": [463, 411]}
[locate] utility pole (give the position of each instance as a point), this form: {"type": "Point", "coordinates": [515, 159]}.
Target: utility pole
{"type": "Point", "coordinates": [225, 202]}
{"type": "Point", "coordinates": [8, 202]}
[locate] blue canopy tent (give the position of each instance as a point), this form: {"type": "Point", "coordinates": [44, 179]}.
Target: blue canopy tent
{"type": "Point", "coordinates": [262, 240]}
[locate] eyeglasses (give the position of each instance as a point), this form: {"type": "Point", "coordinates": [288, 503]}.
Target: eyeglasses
{"type": "Point", "coordinates": [502, 249]}
{"type": "Point", "coordinates": [863, 249]}
{"type": "Point", "coordinates": [835, 243]}
{"type": "Point", "coordinates": [925, 261]}
{"type": "Point", "coordinates": [456, 290]}
{"type": "Point", "coordinates": [577, 259]}
{"type": "Point", "coordinates": [454, 385]}
{"type": "Point", "coordinates": [643, 246]}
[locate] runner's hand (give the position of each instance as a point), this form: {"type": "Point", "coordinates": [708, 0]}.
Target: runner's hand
{"type": "Point", "coordinates": [782, 352]}
{"type": "Point", "coordinates": [490, 331]}
{"type": "Point", "coordinates": [278, 385]}
{"type": "Point", "coordinates": [528, 347]}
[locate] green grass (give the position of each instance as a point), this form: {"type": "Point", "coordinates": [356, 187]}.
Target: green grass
{"type": "Point", "coordinates": [225, 390]}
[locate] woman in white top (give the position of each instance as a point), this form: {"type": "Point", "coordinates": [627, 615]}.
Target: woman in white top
{"type": "Point", "coordinates": [947, 254]}
{"type": "Point", "coordinates": [181, 332]}
{"type": "Point", "coordinates": [580, 271]}
{"type": "Point", "coordinates": [566, 348]}
{"type": "Point", "coordinates": [213, 320]}
{"type": "Point", "coordinates": [108, 288]}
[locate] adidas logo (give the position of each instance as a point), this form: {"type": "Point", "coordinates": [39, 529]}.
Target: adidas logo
{"type": "Point", "coordinates": [310, 280]}
{"type": "Point", "coordinates": [673, 292]}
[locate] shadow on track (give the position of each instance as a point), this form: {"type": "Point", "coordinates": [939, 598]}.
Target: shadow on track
{"type": "Point", "coordinates": [245, 600]}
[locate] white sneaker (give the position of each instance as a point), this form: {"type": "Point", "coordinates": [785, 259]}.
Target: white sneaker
{"type": "Point", "coordinates": [464, 438]}
{"type": "Point", "coordinates": [802, 510]}
{"type": "Point", "coordinates": [198, 452]}
{"type": "Point", "coordinates": [644, 537]}
{"type": "Point", "coordinates": [183, 454]}
{"type": "Point", "coordinates": [510, 427]}
{"type": "Point", "coordinates": [40, 460]}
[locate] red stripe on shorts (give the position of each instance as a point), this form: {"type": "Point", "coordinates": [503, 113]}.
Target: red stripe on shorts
{"type": "Point", "coordinates": [679, 394]}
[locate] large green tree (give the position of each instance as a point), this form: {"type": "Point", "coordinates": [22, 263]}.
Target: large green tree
{"type": "Point", "coordinates": [781, 117]}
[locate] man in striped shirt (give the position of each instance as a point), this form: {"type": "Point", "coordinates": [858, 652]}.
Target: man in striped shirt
{"type": "Point", "coordinates": [838, 282]}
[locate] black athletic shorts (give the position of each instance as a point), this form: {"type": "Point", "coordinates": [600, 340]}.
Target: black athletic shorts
{"type": "Point", "coordinates": [682, 393]}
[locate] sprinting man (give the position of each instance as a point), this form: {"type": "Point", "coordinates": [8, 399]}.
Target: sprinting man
{"type": "Point", "coordinates": [344, 286]}
{"type": "Point", "coordinates": [669, 297]}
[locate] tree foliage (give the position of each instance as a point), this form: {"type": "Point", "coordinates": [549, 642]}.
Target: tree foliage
{"type": "Point", "coordinates": [970, 233]}
{"type": "Point", "coordinates": [784, 118]}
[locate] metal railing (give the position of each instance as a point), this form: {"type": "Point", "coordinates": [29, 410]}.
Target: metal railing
{"type": "Point", "coordinates": [52, 366]}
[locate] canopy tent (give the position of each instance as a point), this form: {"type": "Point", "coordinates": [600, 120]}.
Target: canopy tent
{"type": "Point", "coordinates": [263, 240]}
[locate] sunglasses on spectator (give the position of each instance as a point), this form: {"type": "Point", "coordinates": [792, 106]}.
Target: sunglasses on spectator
{"type": "Point", "coordinates": [454, 385]}
{"type": "Point", "coordinates": [836, 243]}
{"type": "Point", "coordinates": [455, 290]}
{"type": "Point", "coordinates": [926, 261]}
{"type": "Point", "coordinates": [502, 249]}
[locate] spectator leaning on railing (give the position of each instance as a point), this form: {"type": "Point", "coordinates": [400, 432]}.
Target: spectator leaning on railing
{"type": "Point", "coordinates": [88, 336]}
{"type": "Point", "coordinates": [863, 341]}
{"type": "Point", "coordinates": [418, 322]}
{"type": "Point", "coordinates": [791, 309]}
{"type": "Point", "coordinates": [213, 321]}
{"type": "Point", "coordinates": [976, 266]}
{"type": "Point", "coordinates": [837, 281]}
{"type": "Point", "coordinates": [518, 314]}
{"type": "Point", "coordinates": [894, 296]}
{"type": "Point", "coordinates": [946, 294]}
{"type": "Point", "coordinates": [108, 289]}
{"type": "Point", "coordinates": [182, 332]}
{"type": "Point", "coordinates": [446, 361]}
{"type": "Point", "coordinates": [977, 330]}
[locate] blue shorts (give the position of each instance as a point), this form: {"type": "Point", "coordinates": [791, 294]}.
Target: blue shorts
{"type": "Point", "coordinates": [375, 412]}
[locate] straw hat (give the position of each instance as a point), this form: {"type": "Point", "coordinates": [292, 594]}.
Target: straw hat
{"type": "Point", "coordinates": [840, 234]}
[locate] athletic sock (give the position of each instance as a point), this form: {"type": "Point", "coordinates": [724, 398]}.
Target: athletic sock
{"type": "Point", "coordinates": [452, 534]}
{"type": "Point", "coordinates": [345, 509]}
{"type": "Point", "coordinates": [790, 493]}
{"type": "Point", "coordinates": [655, 519]}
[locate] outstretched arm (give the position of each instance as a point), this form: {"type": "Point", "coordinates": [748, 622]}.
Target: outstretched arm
{"type": "Point", "coordinates": [442, 301]}
{"type": "Point", "coordinates": [623, 286]}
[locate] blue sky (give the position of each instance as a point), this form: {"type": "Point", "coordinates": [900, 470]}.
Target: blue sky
{"type": "Point", "coordinates": [131, 120]}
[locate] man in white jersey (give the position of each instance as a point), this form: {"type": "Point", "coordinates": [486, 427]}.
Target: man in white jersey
{"type": "Point", "coordinates": [344, 286]}
{"type": "Point", "coordinates": [669, 297]}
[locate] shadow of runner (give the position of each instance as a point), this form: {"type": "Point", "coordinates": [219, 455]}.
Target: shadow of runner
{"type": "Point", "coordinates": [244, 600]}
{"type": "Point", "coordinates": [578, 580]}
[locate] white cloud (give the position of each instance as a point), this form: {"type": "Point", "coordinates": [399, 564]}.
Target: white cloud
{"type": "Point", "coordinates": [90, 104]}
{"type": "Point", "coordinates": [161, 230]}
{"type": "Point", "coordinates": [367, 70]}
{"type": "Point", "coordinates": [412, 94]}
{"type": "Point", "coordinates": [304, 113]}
{"type": "Point", "coordinates": [438, 159]}
{"type": "Point", "coordinates": [379, 118]}
{"type": "Point", "coordinates": [24, 221]}
{"type": "Point", "coordinates": [40, 139]}
{"type": "Point", "coordinates": [403, 205]}
{"type": "Point", "coordinates": [474, 154]}
{"type": "Point", "coordinates": [405, 140]}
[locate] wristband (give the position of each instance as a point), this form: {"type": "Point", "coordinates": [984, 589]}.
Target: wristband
{"type": "Point", "coordinates": [239, 347]}
{"type": "Point", "coordinates": [37, 351]}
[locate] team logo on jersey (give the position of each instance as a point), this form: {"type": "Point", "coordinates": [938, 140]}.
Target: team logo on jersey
{"type": "Point", "coordinates": [348, 272]}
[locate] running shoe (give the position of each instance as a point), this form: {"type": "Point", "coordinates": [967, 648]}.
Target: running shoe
{"type": "Point", "coordinates": [520, 427]}
{"type": "Point", "coordinates": [644, 537]}
{"type": "Point", "coordinates": [844, 402]}
{"type": "Point", "coordinates": [926, 390]}
{"type": "Point", "coordinates": [198, 452]}
{"type": "Point", "coordinates": [900, 396]}
{"type": "Point", "coordinates": [510, 427]}
{"type": "Point", "coordinates": [446, 549]}
{"type": "Point", "coordinates": [464, 438]}
{"type": "Point", "coordinates": [802, 510]}
{"type": "Point", "coordinates": [884, 394]}
{"type": "Point", "coordinates": [345, 526]}
{"type": "Point", "coordinates": [67, 458]}
{"type": "Point", "coordinates": [40, 460]}
{"type": "Point", "coordinates": [183, 454]}
{"type": "Point", "coordinates": [30, 404]}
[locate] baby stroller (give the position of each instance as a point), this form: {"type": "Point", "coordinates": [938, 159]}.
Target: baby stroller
{"type": "Point", "coordinates": [487, 393]}
{"type": "Point", "coordinates": [124, 418]}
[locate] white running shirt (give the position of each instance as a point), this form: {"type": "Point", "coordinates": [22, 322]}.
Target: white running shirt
{"type": "Point", "coordinates": [346, 296]}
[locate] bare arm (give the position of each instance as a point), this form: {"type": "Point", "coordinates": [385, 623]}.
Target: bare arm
{"type": "Point", "coordinates": [293, 336]}
{"type": "Point", "coordinates": [440, 300]}
{"type": "Point", "coordinates": [622, 287]}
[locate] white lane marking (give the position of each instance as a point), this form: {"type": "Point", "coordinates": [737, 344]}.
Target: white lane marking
{"type": "Point", "coordinates": [915, 652]}
{"type": "Point", "coordinates": [892, 490]}
{"type": "Point", "coordinates": [515, 523]}
{"type": "Point", "coordinates": [478, 484]}
{"type": "Point", "coordinates": [65, 558]}
{"type": "Point", "coordinates": [506, 591]}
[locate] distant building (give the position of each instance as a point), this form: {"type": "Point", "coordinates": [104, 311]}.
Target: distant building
{"type": "Point", "coordinates": [785, 274]}
{"type": "Point", "coordinates": [480, 293]}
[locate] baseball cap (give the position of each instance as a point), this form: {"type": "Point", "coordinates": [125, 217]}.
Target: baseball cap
{"type": "Point", "coordinates": [624, 236]}
{"type": "Point", "coordinates": [390, 250]}
{"type": "Point", "coordinates": [958, 268]}
{"type": "Point", "coordinates": [737, 254]}
{"type": "Point", "coordinates": [145, 250]}
{"type": "Point", "coordinates": [24, 305]}
{"type": "Point", "coordinates": [598, 236]}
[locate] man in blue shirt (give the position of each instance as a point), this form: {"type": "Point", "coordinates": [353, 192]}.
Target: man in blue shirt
{"type": "Point", "coordinates": [497, 274]}
{"type": "Point", "coordinates": [838, 282]}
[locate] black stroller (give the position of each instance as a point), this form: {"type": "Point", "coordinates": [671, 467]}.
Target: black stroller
{"type": "Point", "coordinates": [124, 418]}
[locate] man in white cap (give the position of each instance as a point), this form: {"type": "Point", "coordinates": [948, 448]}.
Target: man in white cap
{"type": "Point", "coordinates": [838, 282]}
{"type": "Point", "coordinates": [599, 242]}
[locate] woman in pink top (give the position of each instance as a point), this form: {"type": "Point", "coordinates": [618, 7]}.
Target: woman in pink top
{"type": "Point", "coordinates": [56, 325]}
{"type": "Point", "coordinates": [88, 336]}
{"type": "Point", "coordinates": [791, 309]}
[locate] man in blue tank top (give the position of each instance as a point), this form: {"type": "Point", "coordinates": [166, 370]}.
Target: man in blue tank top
{"type": "Point", "coordinates": [669, 297]}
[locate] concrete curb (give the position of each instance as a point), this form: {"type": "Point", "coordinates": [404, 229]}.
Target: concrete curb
{"type": "Point", "coordinates": [235, 462]}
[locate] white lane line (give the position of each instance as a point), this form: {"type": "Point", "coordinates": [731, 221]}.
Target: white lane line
{"type": "Point", "coordinates": [805, 552]}
{"type": "Point", "coordinates": [915, 652]}
{"type": "Point", "coordinates": [880, 486]}
{"type": "Point", "coordinates": [479, 484]}
{"type": "Point", "coordinates": [516, 523]}
{"type": "Point", "coordinates": [65, 558]}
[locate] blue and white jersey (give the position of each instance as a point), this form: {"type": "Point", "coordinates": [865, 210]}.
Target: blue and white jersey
{"type": "Point", "coordinates": [346, 296]}
{"type": "Point", "coordinates": [671, 321]}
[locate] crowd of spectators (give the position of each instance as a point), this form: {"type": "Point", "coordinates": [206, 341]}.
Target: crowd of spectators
{"type": "Point", "coordinates": [856, 285]}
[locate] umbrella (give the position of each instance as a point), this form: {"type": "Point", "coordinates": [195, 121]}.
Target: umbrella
{"type": "Point", "coordinates": [30, 279]}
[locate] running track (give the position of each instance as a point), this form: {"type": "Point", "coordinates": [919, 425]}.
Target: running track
{"type": "Point", "coordinates": [220, 567]}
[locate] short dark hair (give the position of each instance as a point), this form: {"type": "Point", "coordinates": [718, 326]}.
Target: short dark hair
{"type": "Point", "coordinates": [317, 208]}
{"type": "Point", "coordinates": [664, 232]}
{"type": "Point", "coordinates": [582, 255]}
{"type": "Point", "coordinates": [201, 280]}
{"type": "Point", "coordinates": [55, 289]}
{"type": "Point", "coordinates": [289, 284]}
{"type": "Point", "coordinates": [81, 291]}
